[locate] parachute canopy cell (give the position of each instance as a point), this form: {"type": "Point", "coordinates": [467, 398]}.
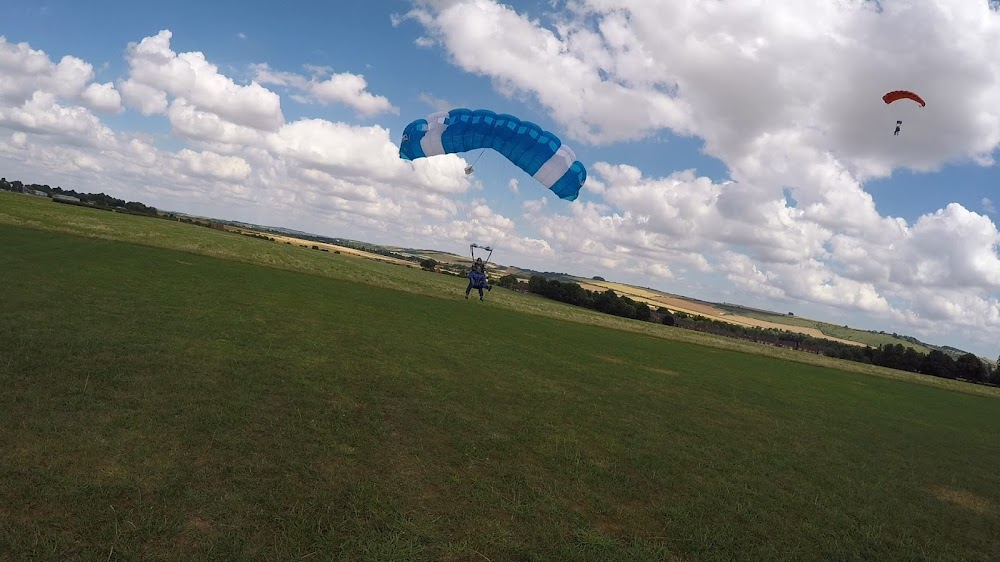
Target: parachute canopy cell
{"type": "Point", "coordinates": [538, 152]}
{"type": "Point", "coordinates": [902, 94]}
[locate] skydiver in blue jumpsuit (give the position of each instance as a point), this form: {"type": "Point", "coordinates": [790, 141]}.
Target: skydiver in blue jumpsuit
{"type": "Point", "coordinates": [478, 279]}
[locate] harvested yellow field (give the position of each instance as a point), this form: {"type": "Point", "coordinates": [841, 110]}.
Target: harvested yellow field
{"type": "Point", "coordinates": [624, 289]}
{"type": "Point", "coordinates": [688, 306]}
{"type": "Point", "coordinates": [753, 322]}
{"type": "Point", "coordinates": [332, 247]}
{"type": "Point", "coordinates": [593, 287]}
{"type": "Point", "coordinates": [442, 257]}
{"type": "Point", "coordinates": [656, 300]}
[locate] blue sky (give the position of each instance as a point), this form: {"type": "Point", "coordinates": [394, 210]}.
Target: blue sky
{"type": "Point", "coordinates": [641, 95]}
{"type": "Point", "coordinates": [347, 36]}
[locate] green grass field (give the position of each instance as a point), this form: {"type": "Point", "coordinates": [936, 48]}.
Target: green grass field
{"type": "Point", "coordinates": [41, 214]}
{"type": "Point", "coordinates": [230, 398]}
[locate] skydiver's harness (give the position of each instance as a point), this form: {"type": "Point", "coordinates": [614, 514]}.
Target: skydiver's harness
{"type": "Point", "coordinates": [478, 279]}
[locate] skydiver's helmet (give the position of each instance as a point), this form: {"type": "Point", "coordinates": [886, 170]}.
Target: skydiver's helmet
{"type": "Point", "coordinates": [479, 261]}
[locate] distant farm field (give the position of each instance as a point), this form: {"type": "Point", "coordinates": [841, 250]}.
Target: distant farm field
{"type": "Point", "coordinates": [748, 317]}
{"type": "Point", "coordinates": [873, 339]}
{"type": "Point", "coordinates": [175, 404]}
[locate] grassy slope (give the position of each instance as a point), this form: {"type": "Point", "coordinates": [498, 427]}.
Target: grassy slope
{"type": "Point", "coordinates": [866, 337]}
{"type": "Point", "coordinates": [160, 404]}
{"type": "Point", "coordinates": [873, 339]}
{"type": "Point", "coordinates": [39, 213]}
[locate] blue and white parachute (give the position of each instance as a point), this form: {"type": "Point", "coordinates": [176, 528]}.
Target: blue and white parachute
{"type": "Point", "coordinates": [536, 151]}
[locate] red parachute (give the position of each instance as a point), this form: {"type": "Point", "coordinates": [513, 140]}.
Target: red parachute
{"type": "Point", "coordinates": [902, 94]}
{"type": "Point", "coordinates": [898, 95]}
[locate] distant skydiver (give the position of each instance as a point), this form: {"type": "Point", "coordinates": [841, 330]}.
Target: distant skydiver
{"type": "Point", "coordinates": [897, 95]}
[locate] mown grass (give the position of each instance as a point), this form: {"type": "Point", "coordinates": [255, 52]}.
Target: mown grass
{"type": "Point", "coordinates": [42, 214]}
{"type": "Point", "coordinates": [160, 404]}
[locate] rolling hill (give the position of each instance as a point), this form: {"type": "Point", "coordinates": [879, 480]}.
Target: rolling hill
{"type": "Point", "coordinates": [727, 312]}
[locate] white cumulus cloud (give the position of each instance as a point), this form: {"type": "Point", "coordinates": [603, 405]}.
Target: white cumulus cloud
{"type": "Point", "coordinates": [156, 71]}
{"type": "Point", "coordinates": [344, 87]}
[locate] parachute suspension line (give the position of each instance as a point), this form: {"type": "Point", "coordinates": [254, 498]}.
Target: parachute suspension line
{"type": "Point", "coordinates": [473, 243]}
{"type": "Point", "coordinates": [471, 167]}
{"type": "Point", "coordinates": [502, 233]}
{"type": "Point", "coordinates": [466, 206]}
{"type": "Point", "coordinates": [478, 157]}
{"type": "Point", "coordinates": [466, 225]}
{"type": "Point", "coordinates": [501, 236]}
{"type": "Point", "coordinates": [468, 221]}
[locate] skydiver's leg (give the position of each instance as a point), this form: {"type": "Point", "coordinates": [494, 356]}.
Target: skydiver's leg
{"type": "Point", "coordinates": [468, 289]}
{"type": "Point", "coordinates": [480, 293]}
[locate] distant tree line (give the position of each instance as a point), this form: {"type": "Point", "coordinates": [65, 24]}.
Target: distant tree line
{"type": "Point", "coordinates": [936, 363]}
{"type": "Point", "coordinates": [98, 200]}
{"type": "Point", "coordinates": [607, 301]}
